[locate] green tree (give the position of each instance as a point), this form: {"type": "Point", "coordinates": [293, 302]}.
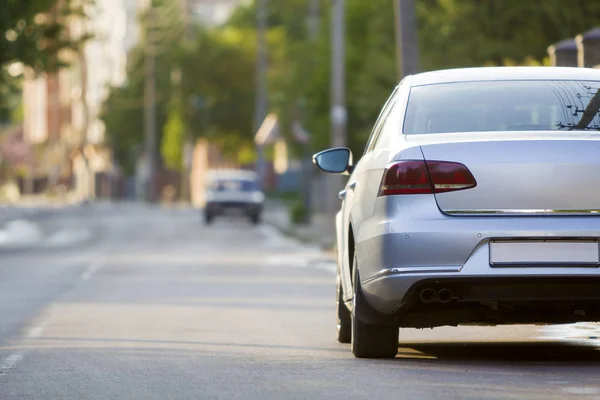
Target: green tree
{"type": "Point", "coordinates": [123, 110]}
{"type": "Point", "coordinates": [173, 140]}
{"type": "Point", "coordinates": [218, 65]}
{"type": "Point", "coordinates": [298, 70]}
{"type": "Point", "coordinates": [123, 117]}
{"type": "Point", "coordinates": [459, 33]}
{"type": "Point", "coordinates": [218, 72]}
{"type": "Point", "coordinates": [452, 33]}
{"type": "Point", "coordinates": [32, 34]}
{"type": "Point", "coordinates": [214, 98]}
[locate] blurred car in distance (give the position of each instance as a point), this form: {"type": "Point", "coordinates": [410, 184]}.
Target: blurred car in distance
{"type": "Point", "coordinates": [476, 201]}
{"type": "Point", "coordinates": [233, 192]}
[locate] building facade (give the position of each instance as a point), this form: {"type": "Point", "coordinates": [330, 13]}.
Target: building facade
{"type": "Point", "coordinates": [62, 110]}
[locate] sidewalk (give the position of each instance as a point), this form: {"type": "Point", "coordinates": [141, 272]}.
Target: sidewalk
{"type": "Point", "coordinates": [41, 225]}
{"type": "Point", "coordinates": [321, 230]}
{"type": "Point", "coordinates": [34, 207]}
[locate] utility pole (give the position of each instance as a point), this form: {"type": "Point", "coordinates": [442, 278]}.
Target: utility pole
{"type": "Point", "coordinates": [84, 74]}
{"type": "Point", "coordinates": [314, 19]}
{"type": "Point", "coordinates": [407, 49]}
{"type": "Point", "coordinates": [150, 106]}
{"type": "Point", "coordinates": [338, 76]}
{"type": "Point", "coordinates": [261, 82]}
{"type": "Point", "coordinates": [313, 25]}
{"type": "Point", "coordinates": [85, 122]}
{"type": "Point", "coordinates": [186, 11]}
{"type": "Point", "coordinates": [188, 143]}
{"type": "Point", "coordinates": [338, 89]}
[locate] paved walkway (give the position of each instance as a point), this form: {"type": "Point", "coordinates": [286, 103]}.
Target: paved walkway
{"type": "Point", "coordinates": [320, 231]}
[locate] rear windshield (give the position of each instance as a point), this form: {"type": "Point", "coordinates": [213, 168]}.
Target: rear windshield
{"type": "Point", "coordinates": [503, 106]}
{"type": "Point", "coordinates": [233, 185]}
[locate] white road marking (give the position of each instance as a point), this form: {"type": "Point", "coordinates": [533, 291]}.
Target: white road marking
{"type": "Point", "coordinates": [91, 270]}
{"type": "Point", "coordinates": [10, 362]}
{"type": "Point", "coordinates": [581, 390]}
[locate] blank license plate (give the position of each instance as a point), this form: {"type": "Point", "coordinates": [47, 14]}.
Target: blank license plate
{"type": "Point", "coordinates": [543, 253]}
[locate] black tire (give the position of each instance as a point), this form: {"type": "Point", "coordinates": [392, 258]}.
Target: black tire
{"type": "Point", "coordinates": [344, 317]}
{"type": "Point", "coordinates": [371, 341]}
{"type": "Point", "coordinates": [208, 218]}
{"type": "Point", "coordinates": [255, 219]}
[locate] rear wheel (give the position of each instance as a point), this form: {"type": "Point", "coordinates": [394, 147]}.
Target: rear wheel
{"type": "Point", "coordinates": [344, 318]}
{"type": "Point", "coordinates": [208, 218]}
{"type": "Point", "coordinates": [370, 341]}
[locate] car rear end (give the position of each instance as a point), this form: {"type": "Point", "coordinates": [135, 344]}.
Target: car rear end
{"type": "Point", "coordinates": [489, 226]}
{"type": "Point", "coordinates": [235, 192]}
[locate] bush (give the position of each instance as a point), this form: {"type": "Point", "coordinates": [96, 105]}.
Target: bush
{"type": "Point", "coordinates": [297, 212]}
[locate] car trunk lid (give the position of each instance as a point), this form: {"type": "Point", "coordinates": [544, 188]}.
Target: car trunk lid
{"type": "Point", "coordinates": [520, 172]}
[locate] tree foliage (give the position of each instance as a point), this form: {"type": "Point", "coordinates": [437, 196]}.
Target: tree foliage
{"type": "Point", "coordinates": [215, 95]}
{"type": "Point", "coordinates": [33, 32]}
{"type": "Point", "coordinates": [452, 33]}
{"type": "Point", "coordinates": [123, 111]}
{"type": "Point", "coordinates": [219, 64]}
{"type": "Point", "coordinates": [173, 140]}
{"type": "Point", "coordinates": [458, 33]}
{"type": "Point", "coordinates": [218, 83]}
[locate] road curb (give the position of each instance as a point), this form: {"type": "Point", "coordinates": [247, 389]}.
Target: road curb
{"type": "Point", "coordinates": [292, 231]}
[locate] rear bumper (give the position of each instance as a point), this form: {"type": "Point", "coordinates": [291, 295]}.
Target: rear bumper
{"type": "Point", "coordinates": [223, 207]}
{"type": "Point", "coordinates": [496, 301]}
{"type": "Point", "coordinates": [409, 242]}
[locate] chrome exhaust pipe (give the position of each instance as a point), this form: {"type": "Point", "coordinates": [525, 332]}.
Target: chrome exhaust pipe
{"type": "Point", "coordinates": [428, 295]}
{"type": "Point", "coordinates": [445, 295]}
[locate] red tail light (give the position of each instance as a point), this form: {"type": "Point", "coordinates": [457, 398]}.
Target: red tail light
{"type": "Point", "coordinates": [420, 177]}
{"type": "Point", "coordinates": [450, 176]}
{"type": "Point", "coordinates": [405, 177]}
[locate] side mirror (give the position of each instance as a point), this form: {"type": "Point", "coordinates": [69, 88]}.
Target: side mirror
{"type": "Point", "coordinates": [336, 161]}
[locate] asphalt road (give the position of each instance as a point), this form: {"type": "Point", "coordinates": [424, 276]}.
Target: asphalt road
{"type": "Point", "coordinates": [155, 305]}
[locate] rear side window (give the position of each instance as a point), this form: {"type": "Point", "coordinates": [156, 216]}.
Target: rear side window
{"type": "Point", "coordinates": [503, 106]}
{"type": "Point", "coordinates": [376, 133]}
{"type": "Point", "coordinates": [233, 185]}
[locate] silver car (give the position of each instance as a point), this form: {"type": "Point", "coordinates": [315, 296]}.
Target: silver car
{"type": "Point", "coordinates": [476, 201]}
{"type": "Point", "coordinates": [233, 191]}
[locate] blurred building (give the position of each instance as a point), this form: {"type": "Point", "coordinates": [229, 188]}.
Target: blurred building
{"type": "Point", "coordinates": [62, 110]}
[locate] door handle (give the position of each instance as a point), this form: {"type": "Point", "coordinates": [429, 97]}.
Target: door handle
{"type": "Point", "coordinates": [342, 194]}
{"type": "Point", "coordinates": [352, 185]}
